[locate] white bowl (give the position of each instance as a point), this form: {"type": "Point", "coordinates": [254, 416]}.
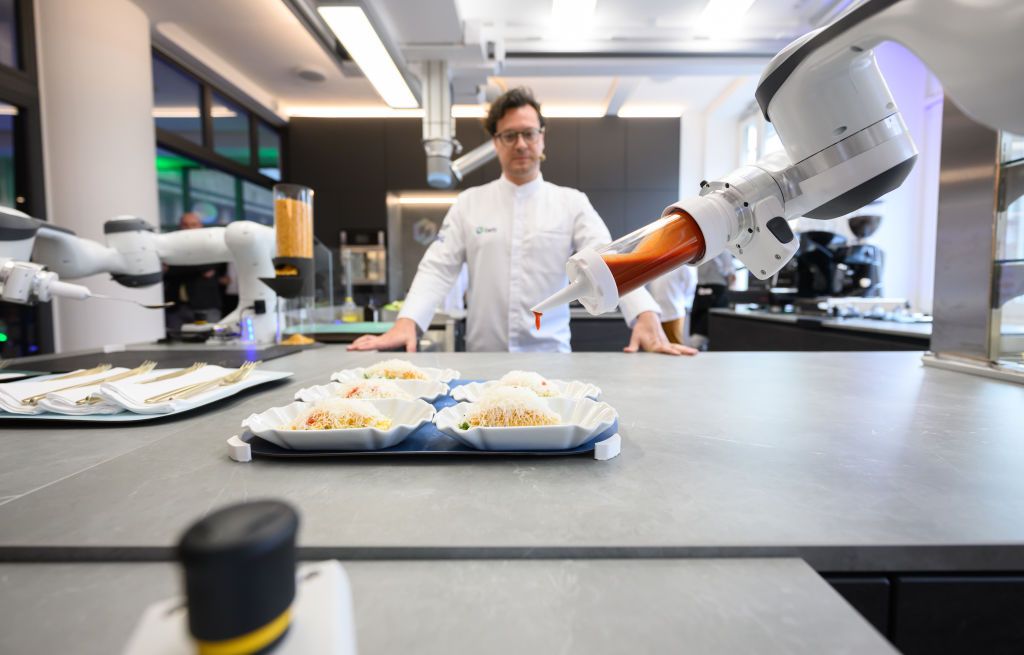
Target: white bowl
{"type": "Point", "coordinates": [445, 375]}
{"type": "Point", "coordinates": [573, 390]}
{"type": "Point", "coordinates": [582, 420]}
{"type": "Point", "coordinates": [406, 416]}
{"type": "Point", "coordinates": [422, 389]}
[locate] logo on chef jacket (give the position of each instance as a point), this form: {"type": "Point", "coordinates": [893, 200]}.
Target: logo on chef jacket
{"type": "Point", "coordinates": [485, 230]}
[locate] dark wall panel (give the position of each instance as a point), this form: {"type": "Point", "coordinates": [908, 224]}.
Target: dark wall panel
{"type": "Point", "coordinates": [406, 169]}
{"type": "Point", "coordinates": [610, 206]}
{"type": "Point", "coordinates": [629, 168]}
{"type": "Point", "coordinates": [642, 207]}
{"type": "Point", "coordinates": [602, 153]}
{"type": "Point", "coordinates": [561, 147]}
{"type": "Point", "coordinates": [652, 153]}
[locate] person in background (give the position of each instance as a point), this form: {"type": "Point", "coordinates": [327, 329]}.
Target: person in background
{"type": "Point", "coordinates": [515, 235]}
{"type": "Point", "coordinates": [196, 290]}
{"type": "Point", "coordinates": [714, 277]}
{"type": "Point", "coordinates": [674, 293]}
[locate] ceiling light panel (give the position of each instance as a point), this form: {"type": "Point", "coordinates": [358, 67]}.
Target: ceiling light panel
{"type": "Point", "coordinates": [355, 32]}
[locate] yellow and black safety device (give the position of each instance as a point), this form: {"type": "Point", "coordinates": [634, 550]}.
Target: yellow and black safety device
{"type": "Point", "coordinates": [240, 577]}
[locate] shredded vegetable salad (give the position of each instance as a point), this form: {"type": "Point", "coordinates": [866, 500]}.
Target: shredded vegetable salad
{"type": "Point", "coordinates": [535, 382]}
{"type": "Point", "coordinates": [373, 389]}
{"type": "Point", "coordinates": [509, 407]}
{"type": "Point", "coordinates": [339, 414]}
{"type": "Point", "coordinates": [395, 369]}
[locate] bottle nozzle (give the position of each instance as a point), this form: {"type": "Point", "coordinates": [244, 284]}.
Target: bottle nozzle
{"type": "Point", "coordinates": [572, 292]}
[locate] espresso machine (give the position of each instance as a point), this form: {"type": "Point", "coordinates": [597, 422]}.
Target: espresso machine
{"type": "Point", "coordinates": [861, 264]}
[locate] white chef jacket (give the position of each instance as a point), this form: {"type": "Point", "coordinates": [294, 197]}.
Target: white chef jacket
{"type": "Point", "coordinates": [515, 240]}
{"type": "Point", "coordinates": [674, 292]}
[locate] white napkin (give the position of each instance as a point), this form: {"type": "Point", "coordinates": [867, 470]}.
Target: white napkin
{"type": "Point", "coordinates": [131, 395]}
{"type": "Point", "coordinates": [12, 393]}
{"type": "Point", "coordinates": [66, 402]}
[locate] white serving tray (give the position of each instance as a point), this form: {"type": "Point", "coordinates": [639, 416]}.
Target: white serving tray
{"type": "Point", "coordinates": [582, 420]}
{"type": "Point", "coordinates": [573, 390]}
{"type": "Point", "coordinates": [255, 378]}
{"type": "Point", "coordinates": [407, 416]}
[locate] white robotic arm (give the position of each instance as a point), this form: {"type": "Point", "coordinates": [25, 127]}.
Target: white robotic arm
{"type": "Point", "coordinates": [134, 255]}
{"type": "Point", "coordinates": [845, 141]}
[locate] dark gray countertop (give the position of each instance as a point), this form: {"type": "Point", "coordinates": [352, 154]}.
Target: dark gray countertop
{"type": "Point", "coordinates": [922, 330]}
{"type": "Point", "coordinates": [544, 606]}
{"type": "Point", "coordinates": [853, 461]}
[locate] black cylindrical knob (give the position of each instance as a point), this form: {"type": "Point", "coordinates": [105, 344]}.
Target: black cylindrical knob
{"type": "Point", "coordinates": [240, 577]}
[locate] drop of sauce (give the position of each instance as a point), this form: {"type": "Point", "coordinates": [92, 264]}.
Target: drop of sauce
{"type": "Point", "coordinates": [536, 319]}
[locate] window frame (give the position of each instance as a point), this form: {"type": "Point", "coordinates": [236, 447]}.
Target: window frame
{"type": "Point", "coordinates": [204, 153]}
{"type": "Point", "coordinates": [20, 87]}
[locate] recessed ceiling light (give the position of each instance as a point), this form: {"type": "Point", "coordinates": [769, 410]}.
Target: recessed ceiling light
{"type": "Point", "coordinates": [469, 111]}
{"type": "Point", "coordinates": [573, 111]}
{"type": "Point", "coordinates": [650, 111]}
{"type": "Point", "coordinates": [345, 111]}
{"type": "Point", "coordinates": [311, 74]}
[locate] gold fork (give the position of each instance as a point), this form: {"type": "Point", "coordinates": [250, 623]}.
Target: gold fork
{"type": "Point", "coordinates": [185, 371]}
{"type": "Point", "coordinates": [95, 398]}
{"type": "Point", "coordinates": [99, 368]}
{"type": "Point", "coordinates": [192, 389]}
{"type": "Point", "coordinates": [142, 369]}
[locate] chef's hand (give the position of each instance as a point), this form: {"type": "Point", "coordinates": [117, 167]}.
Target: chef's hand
{"type": "Point", "coordinates": [402, 334]}
{"type": "Point", "coordinates": [649, 336]}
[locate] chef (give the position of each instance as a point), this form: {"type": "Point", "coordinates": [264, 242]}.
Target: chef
{"type": "Point", "coordinates": [515, 235]}
{"type": "Point", "coordinates": [674, 293]}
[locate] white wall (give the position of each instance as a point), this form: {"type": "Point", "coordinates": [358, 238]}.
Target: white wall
{"type": "Point", "coordinates": [907, 232]}
{"type": "Point", "coordinates": [95, 83]}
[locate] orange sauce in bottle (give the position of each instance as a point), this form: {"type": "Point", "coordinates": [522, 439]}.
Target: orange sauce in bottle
{"type": "Point", "coordinates": [678, 242]}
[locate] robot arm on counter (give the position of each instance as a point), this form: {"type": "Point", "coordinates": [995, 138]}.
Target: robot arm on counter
{"type": "Point", "coordinates": [35, 255]}
{"type": "Point", "coordinates": [845, 142]}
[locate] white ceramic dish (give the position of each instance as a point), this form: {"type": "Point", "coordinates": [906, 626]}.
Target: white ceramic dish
{"type": "Point", "coordinates": [573, 390]}
{"type": "Point", "coordinates": [582, 420]}
{"type": "Point", "coordinates": [407, 416]}
{"type": "Point", "coordinates": [422, 389]}
{"type": "Point", "coordinates": [445, 375]}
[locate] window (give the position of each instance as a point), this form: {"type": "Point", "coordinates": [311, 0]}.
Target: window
{"type": "Point", "coordinates": [230, 130]}
{"type": "Point", "coordinates": [8, 192]}
{"type": "Point", "coordinates": [269, 151]}
{"type": "Point", "coordinates": [219, 198]}
{"type": "Point", "coordinates": [215, 156]}
{"type": "Point", "coordinates": [257, 203]}
{"type": "Point", "coordinates": [9, 34]}
{"type": "Point", "coordinates": [758, 138]}
{"type": "Point", "coordinates": [176, 102]}
{"type": "Point", "coordinates": [24, 330]}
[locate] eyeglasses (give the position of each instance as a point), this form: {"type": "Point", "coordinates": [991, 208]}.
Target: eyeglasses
{"type": "Point", "coordinates": [510, 137]}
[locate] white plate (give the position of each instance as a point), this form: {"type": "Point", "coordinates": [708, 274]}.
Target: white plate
{"type": "Point", "coordinates": [406, 416]}
{"type": "Point", "coordinates": [582, 420]}
{"type": "Point", "coordinates": [422, 389]}
{"type": "Point", "coordinates": [573, 390]}
{"type": "Point", "coordinates": [445, 375]}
